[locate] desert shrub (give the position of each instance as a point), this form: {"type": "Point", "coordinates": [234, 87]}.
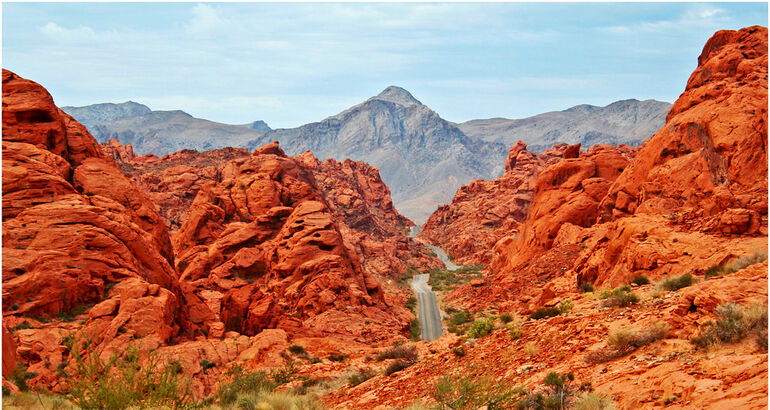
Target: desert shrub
{"type": "Point", "coordinates": [733, 325]}
{"type": "Point", "coordinates": [207, 364]}
{"type": "Point", "coordinates": [737, 264]}
{"type": "Point", "coordinates": [459, 351]}
{"type": "Point", "coordinates": [514, 331]}
{"type": "Point", "coordinates": [20, 376]}
{"type": "Point", "coordinates": [531, 349]}
{"type": "Point", "coordinates": [276, 401]}
{"type": "Point", "coordinates": [457, 320]}
{"type": "Point", "coordinates": [481, 327]}
{"type": "Point", "coordinates": [284, 374]}
{"type": "Point", "coordinates": [127, 381]}
{"type": "Point", "coordinates": [241, 383]}
{"type": "Point", "coordinates": [506, 317]}
{"type": "Point", "coordinates": [397, 366]}
{"type": "Point", "coordinates": [557, 394]}
{"type": "Point", "coordinates": [621, 296]}
{"type": "Point", "coordinates": [623, 341]}
{"type": "Point", "coordinates": [411, 303]}
{"type": "Point", "coordinates": [444, 279]}
{"type": "Point", "coordinates": [586, 287]}
{"type": "Point", "coordinates": [360, 376]}
{"type": "Point", "coordinates": [640, 280]}
{"type": "Point", "coordinates": [34, 401]}
{"type": "Point", "coordinates": [543, 312]}
{"type": "Point", "coordinates": [467, 391]}
{"type": "Point", "coordinates": [399, 352]}
{"type": "Point", "coordinates": [298, 350]}
{"type": "Point", "coordinates": [593, 401]}
{"type": "Point", "coordinates": [414, 330]}
{"type": "Point", "coordinates": [565, 306]}
{"type": "Point", "coordinates": [676, 282]}
{"type": "Point", "coordinates": [337, 357]}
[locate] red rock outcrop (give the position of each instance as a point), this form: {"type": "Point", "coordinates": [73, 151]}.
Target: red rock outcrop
{"type": "Point", "coordinates": [262, 249]}
{"type": "Point", "coordinates": [118, 152]}
{"type": "Point", "coordinates": [79, 238]}
{"type": "Point", "coordinates": [482, 212]}
{"type": "Point", "coordinates": [694, 196]}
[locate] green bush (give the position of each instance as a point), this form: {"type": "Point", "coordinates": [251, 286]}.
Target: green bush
{"type": "Point", "coordinates": [734, 324]}
{"type": "Point", "coordinates": [242, 383]}
{"type": "Point", "coordinates": [621, 296]}
{"type": "Point", "coordinates": [414, 330]}
{"type": "Point", "coordinates": [586, 287]}
{"type": "Point", "coordinates": [298, 350]}
{"type": "Point", "coordinates": [126, 381]}
{"type": "Point", "coordinates": [623, 341]}
{"type": "Point", "coordinates": [481, 327]}
{"type": "Point", "coordinates": [469, 392]}
{"type": "Point", "coordinates": [565, 306]}
{"type": "Point", "coordinates": [506, 317]}
{"type": "Point", "coordinates": [337, 357]}
{"type": "Point", "coordinates": [459, 351]}
{"type": "Point", "coordinates": [399, 352]}
{"type": "Point", "coordinates": [677, 282]}
{"type": "Point", "coordinates": [397, 366]}
{"type": "Point", "coordinates": [360, 376]}
{"type": "Point", "coordinates": [543, 312]}
{"type": "Point", "coordinates": [285, 374]}
{"type": "Point", "coordinates": [514, 332]}
{"type": "Point", "coordinates": [640, 280]}
{"type": "Point", "coordinates": [737, 264]}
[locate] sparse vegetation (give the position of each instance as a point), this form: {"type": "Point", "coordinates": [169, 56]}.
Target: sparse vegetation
{"type": "Point", "coordinates": [676, 282]}
{"type": "Point", "coordinates": [565, 306]}
{"type": "Point", "coordinates": [506, 317]}
{"type": "Point", "coordinates": [531, 349]}
{"type": "Point", "coordinates": [444, 279]}
{"type": "Point", "coordinates": [399, 352]}
{"type": "Point", "coordinates": [593, 401]}
{"type": "Point", "coordinates": [514, 331]}
{"type": "Point", "coordinates": [543, 312]}
{"type": "Point", "coordinates": [481, 327]}
{"type": "Point", "coordinates": [360, 376]}
{"type": "Point", "coordinates": [459, 351]}
{"type": "Point", "coordinates": [397, 366]}
{"type": "Point", "coordinates": [298, 350]}
{"type": "Point", "coordinates": [640, 280]}
{"type": "Point", "coordinates": [458, 320]}
{"type": "Point", "coordinates": [622, 341]}
{"type": "Point", "coordinates": [586, 287]}
{"type": "Point", "coordinates": [132, 380]}
{"type": "Point", "coordinates": [468, 391]}
{"type": "Point", "coordinates": [621, 296]}
{"type": "Point", "coordinates": [736, 265]}
{"type": "Point", "coordinates": [337, 357]}
{"type": "Point", "coordinates": [557, 394]}
{"type": "Point", "coordinates": [242, 383]}
{"type": "Point", "coordinates": [414, 330]}
{"type": "Point", "coordinates": [734, 324]}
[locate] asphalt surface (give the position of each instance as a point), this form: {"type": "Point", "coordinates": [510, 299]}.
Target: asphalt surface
{"type": "Point", "coordinates": [428, 311]}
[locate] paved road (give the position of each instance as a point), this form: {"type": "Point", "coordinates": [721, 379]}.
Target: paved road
{"type": "Point", "coordinates": [427, 304]}
{"type": "Point", "coordinates": [428, 311]}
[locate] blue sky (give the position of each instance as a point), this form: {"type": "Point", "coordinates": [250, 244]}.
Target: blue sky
{"type": "Point", "coordinates": [290, 64]}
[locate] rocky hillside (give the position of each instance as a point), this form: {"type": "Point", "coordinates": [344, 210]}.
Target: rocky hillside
{"type": "Point", "coordinates": [422, 158]}
{"type": "Point", "coordinates": [628, 122]}
{"type": "Point", "coordinates": [627, 271]}
{"type": "Point", "coordinates": [161, 132]}
{"type": "Point", "coordinates": [262, 257]}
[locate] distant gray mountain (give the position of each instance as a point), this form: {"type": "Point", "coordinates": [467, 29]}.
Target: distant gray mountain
{"type": "Point", "coordinates": [422, 158]}
{"type": "Point", "coordinates": [91, 115]}
{"type": "Point", "coordinates": [260, 126]}
{"type": "Point", "coordinates": [161, 132]}
{"type": "Point", "coordinates": [622, 122]}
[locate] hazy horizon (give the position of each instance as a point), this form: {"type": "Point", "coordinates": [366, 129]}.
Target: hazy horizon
{"type": "Point", "coordinates": [291, 64]}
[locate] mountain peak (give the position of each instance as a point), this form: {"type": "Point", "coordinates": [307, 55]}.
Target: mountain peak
{"type": "Point", "coordinates": [396, 95]}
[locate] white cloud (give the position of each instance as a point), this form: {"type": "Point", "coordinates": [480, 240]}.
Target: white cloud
{"type": "Point", "coordinates": [207, 20]}
{"type": "Point", "coordinates": [59, 33]}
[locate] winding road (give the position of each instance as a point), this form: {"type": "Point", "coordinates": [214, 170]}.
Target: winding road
{"type": "Point", "coordinates": [427, 305]}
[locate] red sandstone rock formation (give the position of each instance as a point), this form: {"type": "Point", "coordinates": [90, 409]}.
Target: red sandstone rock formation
{"type": "Point", "coordinates": [482, 212]}
{"type": "Point", "coordinates": [694, 196]}
{"type": "Point", "coordinates": [77, 236]}
{"type": "Point", "coordinates": [262, 249]}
